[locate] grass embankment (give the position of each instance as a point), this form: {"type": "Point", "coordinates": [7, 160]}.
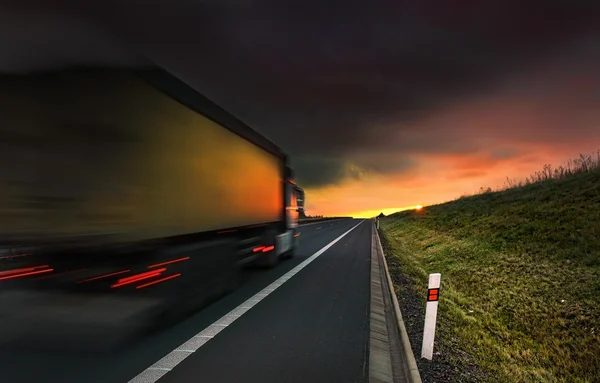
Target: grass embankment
{"type": "Point", "coordinates": [520, 294]}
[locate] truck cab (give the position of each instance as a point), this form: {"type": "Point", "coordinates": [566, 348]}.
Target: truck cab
{"type": "Point", "coordinates": [287, 242]}
{"type": "Point", "coordinates": [292, 208]}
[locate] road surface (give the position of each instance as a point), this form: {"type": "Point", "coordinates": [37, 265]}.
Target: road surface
{"type": "Point", "coordinates": [311, 324]}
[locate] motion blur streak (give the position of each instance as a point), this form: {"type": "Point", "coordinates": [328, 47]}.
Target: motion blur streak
{"type": "Point", "coordinates": [16, 271]}
{"type": "Point", "coordinates": [158, 281]}
{"type": "Point", "coordinates": [13, 256]}
{"type": "Point", "coordinates": [104, 276]}
{"type": "Point", "coordinates": [169, 262]}
{"type": "Point", "coordinates": [26, 274]}
{"type": "Point", "coordinates": [23, 270]}
{"type": "Point", "coordinates": [266, 249]}
{"type": "Point", "coordinates": [140, 155]}
{"type": "Point", "coordinates": [138, 277]}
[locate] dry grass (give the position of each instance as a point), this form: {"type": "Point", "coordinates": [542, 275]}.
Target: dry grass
{"type": "Point", "coordinates": [585, 163]}
{"type": "Point", "coordinates": [520, 273]}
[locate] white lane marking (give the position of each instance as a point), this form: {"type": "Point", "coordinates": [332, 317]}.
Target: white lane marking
{"type": "Point", "coordinates": [318, 228]}
{"type": "Point", "coordinates": [172, 359]}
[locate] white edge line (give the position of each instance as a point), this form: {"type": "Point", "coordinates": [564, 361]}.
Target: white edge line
{"type": "Point", "coordinates": [252, 301]}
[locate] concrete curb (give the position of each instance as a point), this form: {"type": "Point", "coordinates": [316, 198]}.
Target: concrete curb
{"type": "Point", "coordinates": [380, 360]}
{"type": "Point", "coordinates": [413, 372]}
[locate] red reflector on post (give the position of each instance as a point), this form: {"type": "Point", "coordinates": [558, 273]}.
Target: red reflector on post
{"type": "Point", "coordinates": [433, 295]}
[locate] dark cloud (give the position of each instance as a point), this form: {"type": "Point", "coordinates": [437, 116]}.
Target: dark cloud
{"type": "Point", "coordinates": [50, 39]}
{"type": "Point", "coordinates": [385, 164]}
{"type": "Point", "coordinates": [315, 172]}
{"type": "Point", "coordinates": [322, 171]}
{"type": "Point", "coordinates": [339, 82]}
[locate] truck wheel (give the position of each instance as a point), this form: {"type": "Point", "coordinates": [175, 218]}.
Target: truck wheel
{"type": "Point", "coordinates": [268, 260]}
{"type": "Point", "coordinates": [290, 253]}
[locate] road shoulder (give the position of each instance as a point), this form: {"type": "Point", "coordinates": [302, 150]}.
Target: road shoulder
{"type": "Point", "coordinates": [390, 355]}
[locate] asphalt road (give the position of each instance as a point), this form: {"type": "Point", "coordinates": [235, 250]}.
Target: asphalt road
{"type": "Point", "coordinates": [312, 328]}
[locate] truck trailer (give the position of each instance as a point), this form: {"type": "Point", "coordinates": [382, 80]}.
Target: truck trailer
{"type": "Point", "coordinates": [127, 185]}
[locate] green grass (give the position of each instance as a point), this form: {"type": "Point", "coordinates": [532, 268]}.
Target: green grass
{"type": "Point", "coordinates": [520, 292]}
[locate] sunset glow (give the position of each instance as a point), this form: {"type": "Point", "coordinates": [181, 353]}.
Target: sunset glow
{"type": "Point", "coordinates": [541, 116]}
{"type": "Point", "coordinates": [437, 179]}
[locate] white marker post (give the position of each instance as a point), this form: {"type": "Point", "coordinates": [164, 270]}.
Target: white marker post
{"type": "Point", "coordinates": [433, 294]}
{"type": "Point", "coordinates": [377, 219]}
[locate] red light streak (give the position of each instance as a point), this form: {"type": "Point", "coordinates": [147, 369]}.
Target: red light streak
{"type": "Point", "coordinates": [158, 281]}
{"type": "Point", "coordinates": [266, 249]}
{"type": "Point", "coordinates": [169, 262]}
{"type": "Point", "coordinates": [104, 276]}
{"type": "Point", "coordinates": [23, 270]}
{"type": "Point", "coordinates": [26, 274]}
{"type": "Point", "coordinates": [16, 271]}
{"type": "Point", "coordinates": [138, 277]}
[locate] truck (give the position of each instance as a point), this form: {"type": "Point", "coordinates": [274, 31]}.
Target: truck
{"type": "Point", "coordinates": [300, 202]}
{"type": "Point", "coordinates": [128, 188]}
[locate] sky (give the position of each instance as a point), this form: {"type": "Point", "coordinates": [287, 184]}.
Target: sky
{"type": "Point", "coordinates": [383, 105]}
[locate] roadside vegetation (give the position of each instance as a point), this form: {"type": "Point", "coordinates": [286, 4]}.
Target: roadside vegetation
{"type": "Point", "coordinates": [520, 293]}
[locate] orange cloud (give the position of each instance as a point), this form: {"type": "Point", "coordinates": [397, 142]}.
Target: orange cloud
{"type": "Point", "coordinates": [545, 116]}
{"type": "Point", "coordinates": [441, 178]}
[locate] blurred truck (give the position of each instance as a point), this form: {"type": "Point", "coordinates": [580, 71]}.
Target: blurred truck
{"type": "Point", "coordinates": [127, 185]}
{"type": "Point", "coordinates": [300, 202]}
